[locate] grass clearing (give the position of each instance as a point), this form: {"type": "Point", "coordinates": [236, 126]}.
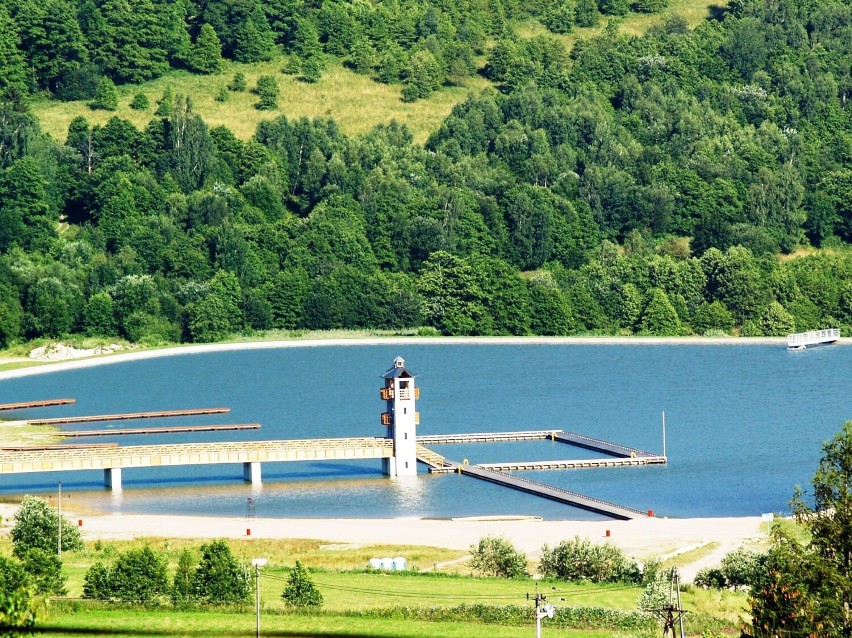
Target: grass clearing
{"type": "Point", "coordinates": [356, 102]}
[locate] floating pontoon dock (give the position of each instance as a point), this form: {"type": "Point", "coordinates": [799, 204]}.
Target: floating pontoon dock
{"type": "Point", "coordinates": [165, 430]}
{"type": "Point", "coordinates": [127, 416]}
{"type": "Point", "coordinates": [803, 340]}
{"type": "Point", "coordinates": [45, 403]}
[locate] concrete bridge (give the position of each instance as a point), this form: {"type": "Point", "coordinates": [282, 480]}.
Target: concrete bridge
{"type": "Point", "coordinates": [112, 460]}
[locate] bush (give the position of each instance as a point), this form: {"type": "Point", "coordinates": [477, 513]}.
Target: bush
{"type": "Point", "coordinates": [300, 590]}
{"type": "Point", "coordinates": [579, 559]}
{"type": "Point", "coordinates": [96, 584]}
{"type": "Point", "coordinates": [140, 102]}
{"type": "Point", "coordinates": [45, 572]}
{"type": "Point", "coordinates": [220, 579]}
{"type": "Point", "coordinates": [37, 526]}
{"type": "Point", "coordinates": [496, 556]}
{"type": "Point", "coordinates": [267, 90]}
{"type": "Point", "coordinates": [106, 96]}
{"type": "Point", "coordinates": [182, 583]}
{"type": "Point", "coordinates": [710, 578]}
{"type": "Point", "coordinates": [741, 567]}
{"type": "Point", "coordinates": [238, 82]}
{"type": "Point", "coordinates": [139, 576]}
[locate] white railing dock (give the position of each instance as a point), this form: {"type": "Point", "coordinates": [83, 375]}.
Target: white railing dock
{"type": "Point", "coordinates": [801, 340]}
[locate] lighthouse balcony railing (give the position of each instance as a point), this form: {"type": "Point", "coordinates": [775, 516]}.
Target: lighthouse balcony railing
{"type": "Point", "coordinates": [387, 418]}
{"type": "Point", "coordinates": [416, 418]}
{"type": "Point", "coordinates": [387, 394]}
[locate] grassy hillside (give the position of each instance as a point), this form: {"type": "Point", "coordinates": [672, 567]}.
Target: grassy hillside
{"type": "Point", "coordinates": [356, 102]}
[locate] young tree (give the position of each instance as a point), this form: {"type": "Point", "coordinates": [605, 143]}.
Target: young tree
{"type": "Point", "coordinates": [106, 96]}
{"type": "Point", "coordinates": [181, 591]}
{"type": "Point", "coordinates": [45, 572]}
{"type": "Point", "coordinates": [220, 579]}
{"type": "Point", "coordinates": [37, 526]}
{"type": "Point", "coordinates": [300, 590]}
{"type": "Point", "coordinates": [238, 82]}
{"type": "Point", "coordinates": [267, 90]}
{"type": "Point", "coordinates": [496, 556]}
{"type": "Point", "coordinates": [207, 51]}
{"type": "Point", "coordinates": [140, 102]}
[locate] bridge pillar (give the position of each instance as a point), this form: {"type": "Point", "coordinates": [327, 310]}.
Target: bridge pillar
{"type": "Point", "coordinates": [251, 473]}
{"type": "Point", "coordinates": [112, 478]}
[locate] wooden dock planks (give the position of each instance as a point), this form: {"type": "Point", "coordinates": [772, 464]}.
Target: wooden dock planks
{"type": "Point", "coordinates": [128, 416]}
{"type": "Point", "coordinates": [164, 430]}
{"type": "Point", "coordinates": [554, 493]}
{"type": "Point", "coordinates": [44, 403]}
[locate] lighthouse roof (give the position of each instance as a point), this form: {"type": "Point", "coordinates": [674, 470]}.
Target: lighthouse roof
{"type": "Point", "coordinates": [397, 370]}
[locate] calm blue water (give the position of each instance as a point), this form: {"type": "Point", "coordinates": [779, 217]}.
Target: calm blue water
{"type": "Point", "coordinates": [745, 424]}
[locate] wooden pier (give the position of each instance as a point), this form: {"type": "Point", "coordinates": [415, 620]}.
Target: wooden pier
{"type": "Point", "coordinates": [128, 416]}
{"type": "Point", "coordinates": [486, 437]}
{"type": "Point", "coordinates": [518, 466]}
{"type": "Point", "coordinates": [70, 446]}
{"type": "Point", "coordinates": [597, 445]}
{"type": "Point", "coordinates": [45, 403]}
{"type": "Point", "coordinates": [164, 430]}
{"type": "Point", "coordinates": [554, 493]}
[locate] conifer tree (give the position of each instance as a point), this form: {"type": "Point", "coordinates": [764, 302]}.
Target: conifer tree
{"type": "Point", "coordinates": [300, 590]}
{"type": "Point", "coordinates": [207, 51]}
{"type": "Point", "coordinates": [106, 96]}
{"type": "Point", "coordinates": [12, 66]}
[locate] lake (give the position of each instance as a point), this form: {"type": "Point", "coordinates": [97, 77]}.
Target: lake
{"type": "Point", "coordinates": [745, 424]}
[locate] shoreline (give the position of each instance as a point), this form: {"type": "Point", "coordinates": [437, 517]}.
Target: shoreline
{"type": "Point", "coordinates": [640, 539]}
{"type": "Point", "coordinates": [125, 356]}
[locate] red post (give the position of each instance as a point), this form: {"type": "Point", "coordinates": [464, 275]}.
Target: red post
{"type": "Point", "coordinates": [248, 532]}
{"type": "Point", "coordinates": [650, 513]}
{"type": "Point", "coordinates": [608, 533]}
{"type": "Point", "coordinates": [80, 523]}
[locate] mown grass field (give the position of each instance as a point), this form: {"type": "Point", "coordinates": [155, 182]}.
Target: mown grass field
{"type": "Point", "coordinates": [356, 102]}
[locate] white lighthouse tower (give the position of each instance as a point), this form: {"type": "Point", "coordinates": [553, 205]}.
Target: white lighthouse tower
{"type": "Point", "coordinates": [400, 417]}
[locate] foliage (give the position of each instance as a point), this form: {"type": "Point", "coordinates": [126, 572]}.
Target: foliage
{"type": "Point", "coordinates": [219, 579]}
{"type": "Point", "coordinates": [300, 590]}
{"type": "Point", "coordinates": [140, 102]}
{"type": "Point", "coordinates": [44, 570]}
{"type": "Point", "coordinates": [37, 527]}
{"type": "Point", "coordinates": [267, 90]}
{"type": "Point", "coordinates": [106, 96]}
{"type": "Point", "coordinates": [181, 591]}
{"type": "Point", "coordinates": [496, 556]}
{"type": "Point", "coordinates": [19, 610]}
{"type": "Point", "coordinates": [138, 575]}
{"type": "Point", "coordinates": [580, 559]}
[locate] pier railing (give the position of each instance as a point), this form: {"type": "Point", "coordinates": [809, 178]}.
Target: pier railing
{"type": "Point", "coordinates": [813, 337]}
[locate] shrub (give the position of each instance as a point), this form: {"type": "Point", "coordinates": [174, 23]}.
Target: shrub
{"type": "Point", "coordinates": [220, 579]}
{"type": "Point", "coordinates": [741, 567]}
{"type": "Point", "coordinates": [267, 90]}
{"type": "Point", "coordinates": [106, 96]}
{"type": "Point", "coordinates": [238, 82]}
{"type": "Point", "coordinates": [222, 94]}
{"type": "Point", "coordinates": [37, 526]}
{"type": "Point", "coordinates": [710, 577]}
{"type": "Point", "coordinates": [139, 576]}
{"type": "Point", "coordinates": [300, 590]}
{"type": "Point", "coordinates": [96, 582]}
{"type": "Point", "coordinates": [45, 571]}
{"type": "Point", "coordinates": [140, 102]}
{"type": "Point", "coordinates": [579, 559]}
{"type": "Point", "coordinates": [496, 556]}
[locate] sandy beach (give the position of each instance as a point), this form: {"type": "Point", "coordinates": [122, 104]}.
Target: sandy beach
{"type": "Point", "coordinates": [639, 538]}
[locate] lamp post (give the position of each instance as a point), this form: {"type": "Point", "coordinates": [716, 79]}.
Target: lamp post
{"type": "Point", "coordinates": [257, 563]}
{"type": "Point", "coordinates": [59, 524]}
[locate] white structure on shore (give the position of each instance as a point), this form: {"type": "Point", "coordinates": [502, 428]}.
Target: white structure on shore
{"type": "Point", "coordinates": [401, 419]}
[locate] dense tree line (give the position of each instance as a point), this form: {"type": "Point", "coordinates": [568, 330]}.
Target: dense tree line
{"type": "Point", "coordinates": [631, 185]}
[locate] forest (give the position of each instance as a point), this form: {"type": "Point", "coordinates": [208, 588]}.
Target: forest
{"type": "Point", "coordinates": [689, 180]}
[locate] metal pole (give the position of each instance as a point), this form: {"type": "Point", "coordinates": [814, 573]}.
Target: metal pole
{"type": "Point", "coordinates": [664, 433]}
{"type": "Point", "coordinates": [537, 616]}
{"type": "Point", "coordinates": [257, 595]}
{"type": "Point", "coordinates": [59, 524]}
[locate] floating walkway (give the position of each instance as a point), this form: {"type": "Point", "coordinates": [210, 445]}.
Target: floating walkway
{"type": "Point", "coordinates": [46, 403]}
{"type": "Point", "coordinates": [518, 466]}
{"type": "Point", "coordinates": [70, 446]}
{"type": "Point", "coordinates": [164, 430]}
{"type": "Point", "coordinates": [803, 340]}
{"type": "Point", "coordinates": [554, 493]}
{"type": "Point", "coordinates": [128, 416]}
{"type": "Point", "coordinates": [486, 437]}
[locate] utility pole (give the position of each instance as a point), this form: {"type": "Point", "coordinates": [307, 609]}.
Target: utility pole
{"type": "Point", "coordinates": [664, 433]}
{"type": "Point", "coordinates": [672, 614]}
{"type": "Point", "coordinates": [257, 563]}
{"type": "Point", "coordinates": [541, 610]}
{"type": "Point", "coordinates": [59, 523]}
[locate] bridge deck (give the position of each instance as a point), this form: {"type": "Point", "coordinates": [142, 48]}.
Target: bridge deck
{"type": "Point", "coordinates": [56, 460]}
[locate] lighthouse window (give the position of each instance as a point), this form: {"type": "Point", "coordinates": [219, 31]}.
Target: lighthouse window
{"type": "Point", "coordinates": [406, 436]}
{"type": "Point", "coordinates": [405, 410]}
